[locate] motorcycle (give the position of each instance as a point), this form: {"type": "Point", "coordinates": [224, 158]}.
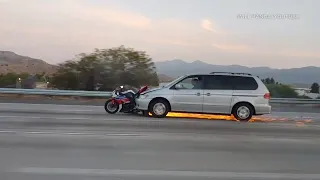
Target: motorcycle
{"type": "Point", "coordinates": [123, 101]}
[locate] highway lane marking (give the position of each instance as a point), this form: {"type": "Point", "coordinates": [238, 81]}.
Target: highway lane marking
{"type": "Point", "coordinates": [56, 110]}
{"type": "Point", "coordinates": [153, 173]}
{"type": "Point", "coordinates": [67, 133]}
{"type": "Point", "coordinates": [101, 106]}
{"type": "Point", "coordinates": [145, 121]}
{"type": "Point", "coordinates": [34, 117]}
{"type": "Point", "coordinates": [8, 131]}
{"type": "Point", "coordinates": [108, 118]}
{"type": "Point", "coordinates": [62, 105]}
{"type": "Point", "coordinates": [67, 118]}
{"type": "Point", "coordinates": [143, 118]}
{"type": "Point", "coordinates": [97, 108]}
{"type": "Point", "coordinates": [161, 136]}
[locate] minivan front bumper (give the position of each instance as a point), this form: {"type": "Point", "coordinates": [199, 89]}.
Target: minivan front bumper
{"type": "Point", "coordinates": [142, 103]}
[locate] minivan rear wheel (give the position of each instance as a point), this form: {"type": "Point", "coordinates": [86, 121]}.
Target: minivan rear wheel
{"type": "Point", "coordinates": [243, 112]}
{"type": "Point", "coordinates": [159, 108]}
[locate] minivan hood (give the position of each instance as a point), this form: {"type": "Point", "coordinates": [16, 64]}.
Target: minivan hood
{"type": "Point", "coordinates": [152, 90]}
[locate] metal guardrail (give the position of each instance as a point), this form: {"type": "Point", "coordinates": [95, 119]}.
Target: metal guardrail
{"type": "Point", "coordinates": [54, 92]}
{"type": "Point", "coordinates": [294, 101]}
{"type": "Point", "coordinates": [107, 94]}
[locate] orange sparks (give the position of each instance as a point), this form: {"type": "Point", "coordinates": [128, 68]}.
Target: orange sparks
{"type": "Point", "coordinates": [299, 124]}
{"type": "Point", "coordinates": [201, 116]}
{"type": "Point", "coordinates": [231, 118]}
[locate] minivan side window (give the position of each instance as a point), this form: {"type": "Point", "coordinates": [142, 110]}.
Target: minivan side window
{"type": "Point", "coordinates": [218, 82]}
{"type": "Point", "coordinates": [244, 83]}
{"type": "Point", "coordinates": [192, 82]}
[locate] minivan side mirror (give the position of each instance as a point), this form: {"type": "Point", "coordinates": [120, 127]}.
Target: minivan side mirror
{"type": "Point", "coordinates": [178, 86]}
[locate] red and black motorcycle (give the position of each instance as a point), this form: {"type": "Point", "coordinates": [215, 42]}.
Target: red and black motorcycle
{"type": "Point", "coordinates": [123, 101]}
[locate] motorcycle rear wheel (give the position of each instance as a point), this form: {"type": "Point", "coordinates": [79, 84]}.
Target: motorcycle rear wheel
{"type": "Point", "coordinates": [110, 107]}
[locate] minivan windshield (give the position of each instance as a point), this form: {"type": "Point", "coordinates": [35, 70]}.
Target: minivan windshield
{"type": "Point", "coordinates": [174, 81]}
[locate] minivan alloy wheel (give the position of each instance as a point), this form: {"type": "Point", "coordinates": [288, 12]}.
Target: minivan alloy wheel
{"type": "Point", "coordinates": [159, 109]}
{"type": "Point", "coordinates": [243, 112]}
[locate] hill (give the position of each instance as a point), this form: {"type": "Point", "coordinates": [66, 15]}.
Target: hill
{"type": "Point", "coordinates": [12, 62]}
{"type": "Point", "coordinates": [167, 70]}
{"type": "Point", "coordinates": [303, 75]}
{"type": "Point", "coordinates": [164, 78]}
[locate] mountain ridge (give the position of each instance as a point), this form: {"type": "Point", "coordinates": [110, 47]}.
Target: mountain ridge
{"type": "Point", "coordinates": [168, 70]}
{"type": "Point", "coordinates": [12, 62]}
{"type": "Point", "coordinates": [178, 67]}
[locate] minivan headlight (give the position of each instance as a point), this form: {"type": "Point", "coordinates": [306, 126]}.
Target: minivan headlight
{"type": "Point", "coordinates": [143, 96]}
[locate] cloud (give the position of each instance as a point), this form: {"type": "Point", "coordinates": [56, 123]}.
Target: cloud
{"type": "Point", "coordinates": [174, 42]}
{"type": "Point", "coordinates": [301, 54]}
{"type": "Point", "coordinates": [44, 28]}
{"type": "Point", "coordinates": [207, 25]}
{"type": "Point", "coordinates": [232, 48]}
{"type": "Point", "coordinates": [110, 14]}
{"type": "Point", "coordinates": [56, 30]}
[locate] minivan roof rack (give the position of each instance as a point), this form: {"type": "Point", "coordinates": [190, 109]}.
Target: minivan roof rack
{"type": "Point", "coordinates": [231, 73]}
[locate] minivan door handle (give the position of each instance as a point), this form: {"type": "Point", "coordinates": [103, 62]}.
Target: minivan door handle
{"type": "Point", "coordinates": [208, 94]}
{"type": "Point", "coordinates": [198, 94]}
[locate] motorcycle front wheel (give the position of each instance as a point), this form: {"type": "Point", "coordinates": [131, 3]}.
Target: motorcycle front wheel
{"type": "Point", "coordinates": [110, 107]}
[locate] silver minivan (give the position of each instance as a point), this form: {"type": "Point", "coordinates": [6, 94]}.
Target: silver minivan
{"type": "Point", "coordinates": [239, 94]}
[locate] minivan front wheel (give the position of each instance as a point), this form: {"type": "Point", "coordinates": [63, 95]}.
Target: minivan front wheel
{"type": "Point", "coordinates": [159, 108]}
{"type": "Point", "coordinates": [243, 112]}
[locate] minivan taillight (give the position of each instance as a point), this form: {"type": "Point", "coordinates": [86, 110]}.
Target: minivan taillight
{"type": "Point", "coordinates": [267, 96]}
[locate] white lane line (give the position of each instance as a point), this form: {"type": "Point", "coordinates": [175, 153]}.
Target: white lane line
{"type": "Point", "coordinates": [157, 136]}
{"type": "Point", "coordinates": [288, 112]}
{"type": "Point", "coordinates": [74, 133]}
{"type": "Point", "coordinates": [35, 117]}
{"type": "Point", "coordinates": [64, 118]}
{"type": "Point", "coordinates": [33, 104]}
{"type": "Point", "coordinates": [108, 118]}
{"type": "Point", "coordinates": [112, 118]}
{"type": "Point", "coordinates": [68, 133]}
{"type": "Point", "coordinates": [34, 132]}
{"type": "Point", "coordinates": [102, 134]}
{"type": "Point", "coordinates": [55, 110]}
{"type": "Point", "coordinates": [4, 131]}
{"type": "Point", "coordinates": [152, 173]}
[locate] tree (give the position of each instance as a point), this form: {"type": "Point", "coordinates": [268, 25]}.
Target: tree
{"type": "Point", "coordinates": [282, 91]}
{"type": "Point", "coordinates": [315, 88]}
{"type": "Point", "coordinates": [109, 67]}
{"type": "Point", "coordinates": [40, 77]}
{"type": "Point", "coordinates": [10, 79]}
{"type": "Point", "coordinates": [64, 80]}
{"type": "Point", "coordinates": [267, 80]}
{"type": "Point", "coordinates": [272, 81]}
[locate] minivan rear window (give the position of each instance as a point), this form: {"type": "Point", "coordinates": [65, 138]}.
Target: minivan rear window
{"type": "Point", "coordinates": [218, 82]}
{"type": "Point", "coordinates": [225, 82]}
{"type": "Point", "coordinates": [244, 83]}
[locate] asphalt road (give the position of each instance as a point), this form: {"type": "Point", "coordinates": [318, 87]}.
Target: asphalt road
{"type": "Point", "coordinates": [83, 142]}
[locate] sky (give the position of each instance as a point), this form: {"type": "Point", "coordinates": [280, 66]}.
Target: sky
{"type": "Point", "coordinates": [274, 33]}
